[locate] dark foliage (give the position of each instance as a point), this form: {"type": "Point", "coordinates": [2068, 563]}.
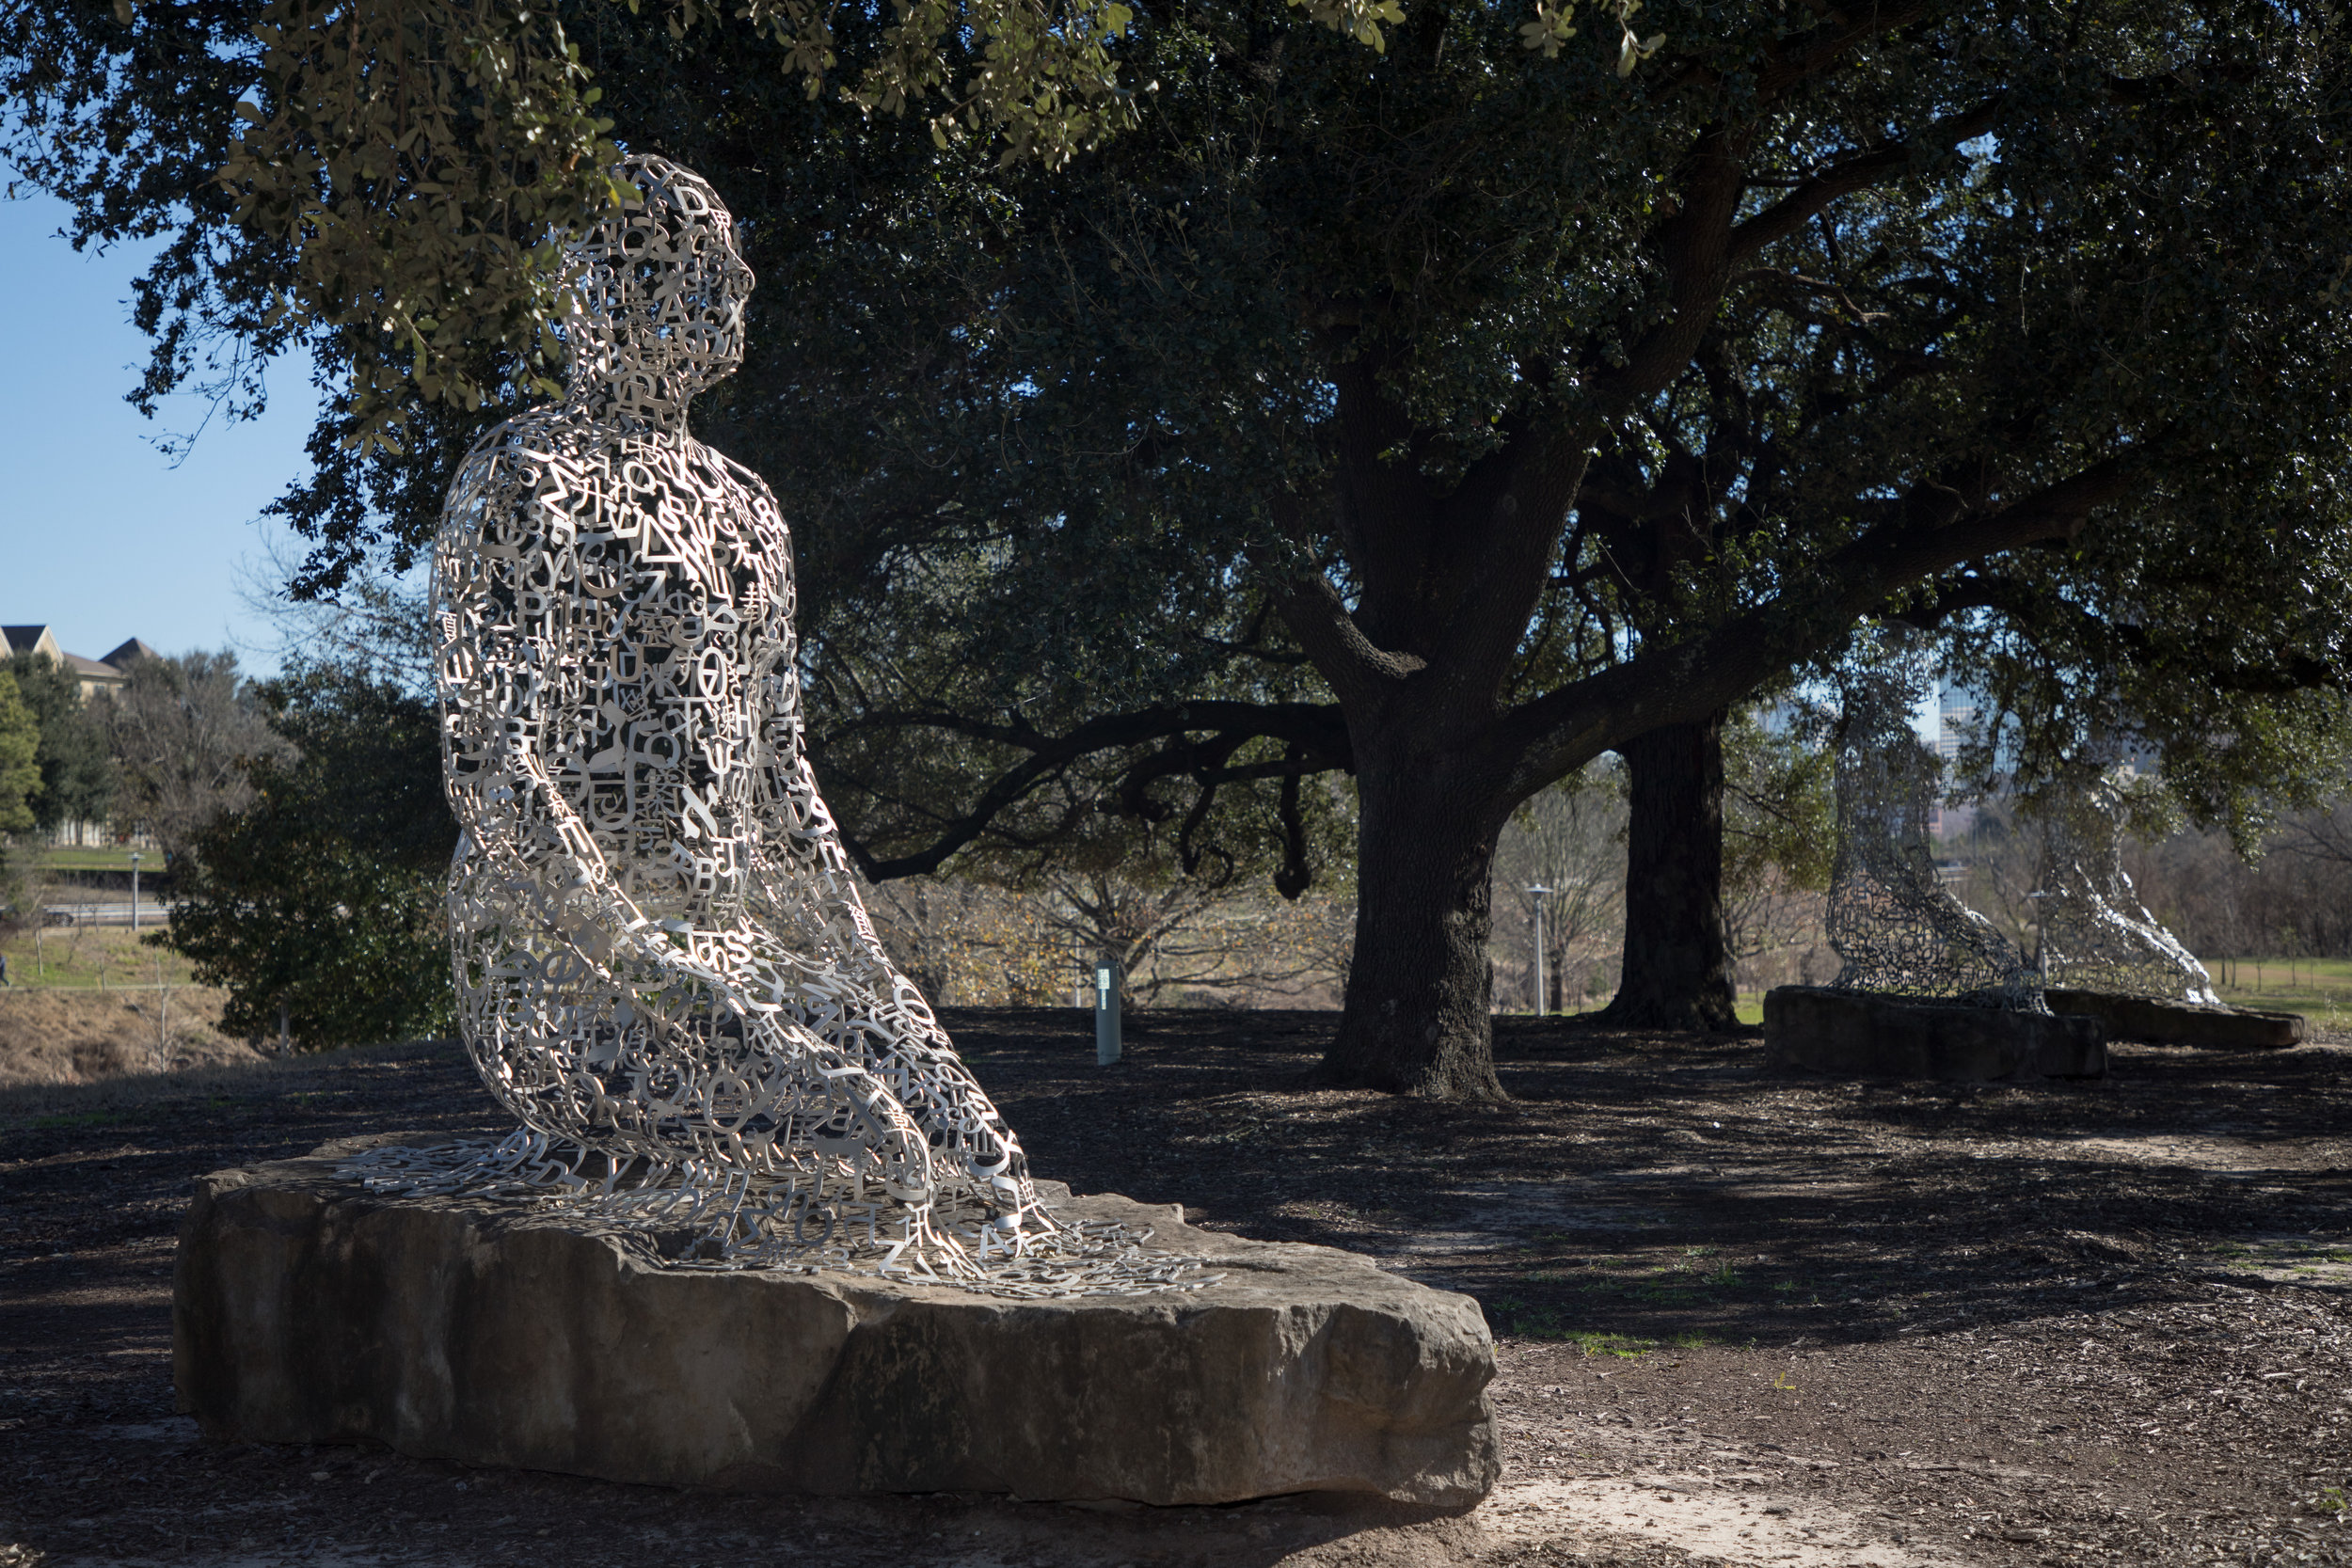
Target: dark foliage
{"type": "Point", "coordinates": [323, 898]}
{"type": "Point", "coordinates": [77, 774]}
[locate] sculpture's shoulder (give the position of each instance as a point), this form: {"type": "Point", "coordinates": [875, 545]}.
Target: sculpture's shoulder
{"type": "Point", "coordinates": [512, 456]}
{"type": "Point", "coordinates": [762, 498]}
{"type": "Point", "coordinates": [549, 431]}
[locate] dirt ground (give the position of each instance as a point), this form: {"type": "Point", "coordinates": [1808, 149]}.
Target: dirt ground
{"type": "Point", "coordinates": [1742, 1317]}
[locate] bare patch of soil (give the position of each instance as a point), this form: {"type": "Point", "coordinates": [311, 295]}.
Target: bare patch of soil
{"type": "Point", "coordinates": [1743, 1316]}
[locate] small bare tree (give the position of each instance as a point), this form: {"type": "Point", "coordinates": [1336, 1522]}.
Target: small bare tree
{"type": "Point", "coordinates": [160, 1049]}
{"type": "Point", "coordinates": [1570, 841]}
{"type": "Point", "coordinates": [1773, 926]}
{"type": "Point", "coordinates": [1203, 941]}
{"type": "Point", "coordinates": [967, 944]}
{"type": "Point", "coordinates": [178, 730]}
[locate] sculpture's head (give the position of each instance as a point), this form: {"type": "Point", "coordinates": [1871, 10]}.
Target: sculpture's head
{"type": "Point", "coordinates": [657, 294]}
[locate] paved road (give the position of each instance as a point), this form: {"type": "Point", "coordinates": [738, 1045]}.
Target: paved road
{"type": "Point", "coordinates": [115, 911]}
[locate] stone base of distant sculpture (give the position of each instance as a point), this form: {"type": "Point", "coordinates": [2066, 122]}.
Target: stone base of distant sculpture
{"type": "Point", "coordinates": [307, 1310]}
{"type": "Point", "coordinates": [1860, 1034]}
{"type": "Point", "coordinates": [2162, 1023]}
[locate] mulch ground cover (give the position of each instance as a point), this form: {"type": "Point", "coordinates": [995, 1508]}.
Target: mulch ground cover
{"type": "Point", "coordinates": [1742, 1316]}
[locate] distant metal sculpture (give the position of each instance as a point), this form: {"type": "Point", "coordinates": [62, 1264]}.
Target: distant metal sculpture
{"type": "Point", "coordinates": [663, 964]}
{"type": "Point", "coordinates": [2096, 935]}
{"type": "Point", "coordinates": [1897, 928]}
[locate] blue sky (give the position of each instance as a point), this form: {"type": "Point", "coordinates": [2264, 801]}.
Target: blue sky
{"type": "Point", "coordinates": [101, 536]}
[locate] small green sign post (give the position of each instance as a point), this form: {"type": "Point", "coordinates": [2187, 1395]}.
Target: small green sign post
{"type": "Point", "coordinates": [1107, 980]}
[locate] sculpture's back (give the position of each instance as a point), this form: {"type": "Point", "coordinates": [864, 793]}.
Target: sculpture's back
{"type": "Point", "coordinates": [2096, 934]}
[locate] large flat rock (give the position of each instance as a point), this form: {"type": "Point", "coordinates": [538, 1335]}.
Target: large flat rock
{"type": "Point", "coordinates": [2212, 1025]}
{"type": "Point", "coordinates": [1857, 1035]}
{"type": "Point", "coordinates": [307, 1310]}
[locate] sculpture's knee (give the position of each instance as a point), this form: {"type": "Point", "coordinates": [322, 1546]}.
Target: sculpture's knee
{"type": "Point", "coordinates": [898, 1148]}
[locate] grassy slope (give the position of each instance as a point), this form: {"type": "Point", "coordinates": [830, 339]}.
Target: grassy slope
{"type": "Point", "coordinates": [94, 956]}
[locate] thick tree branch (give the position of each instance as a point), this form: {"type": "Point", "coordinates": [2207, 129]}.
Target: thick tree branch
{"type": "Point", "coordinates": [1313, 731]}
{"type": "Point", "coordinates": [1695, 244]}
{"type": "Point", "coordinates": [1872, 166]}
{"type": "Point", "coordinates": [2030, 606]}
{"type": "Point", "coordinates": [1547, 738]}
{"type": "Point", "coordinates": [1359, 674]}
{"type": "Point", "coordinates": [1511, 526]}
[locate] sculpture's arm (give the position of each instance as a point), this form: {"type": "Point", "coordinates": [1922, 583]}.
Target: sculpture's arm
{"type": "Point", "coordinates": [800, 882]}
{"type": "Point", "coordinates": [800, 872]}
{"type": "Point", "coordinates": [495, 663]}
{"type": "Point", "coordinates": [802, 869]}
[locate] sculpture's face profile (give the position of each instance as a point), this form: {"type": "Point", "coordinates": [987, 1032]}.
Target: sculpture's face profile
{"type": "Point", "coordinates": [658, 293]}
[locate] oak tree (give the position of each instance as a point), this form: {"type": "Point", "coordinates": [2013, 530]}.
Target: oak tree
{"type": "Point", "coordinates": [1453, 414]}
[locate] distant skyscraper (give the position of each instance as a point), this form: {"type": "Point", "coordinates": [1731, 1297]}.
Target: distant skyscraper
{"type": "Point", "coordinates": [1952, 728]}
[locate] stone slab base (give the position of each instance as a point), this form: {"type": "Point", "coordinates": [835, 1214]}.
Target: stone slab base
{"type": "Point", "coordinates": [1860, 1036]}
{"type": "Point", "coordinates": [306, 1310]}
{"type": "Point", "coordinates": [2216, 1028]}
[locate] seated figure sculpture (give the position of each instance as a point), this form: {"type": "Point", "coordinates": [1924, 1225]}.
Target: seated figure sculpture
{"type": "Point", "coordinates": [2096, 935]}
{"type": "Point", "coordinates": [1896, 927]}
{"type": "Point", "coordinates": [663, 968]}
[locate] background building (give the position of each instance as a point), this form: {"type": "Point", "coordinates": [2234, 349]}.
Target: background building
{"type": "Point", "coordinates": [93, 676]}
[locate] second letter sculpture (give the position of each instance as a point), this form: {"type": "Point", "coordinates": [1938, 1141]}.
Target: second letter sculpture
{"type": "Point", "coordinates": [2096, 935]}
{"type": "Point", "coordinates": [663, 964]}
{"type": "Point", "coordinates": [1898, 929]}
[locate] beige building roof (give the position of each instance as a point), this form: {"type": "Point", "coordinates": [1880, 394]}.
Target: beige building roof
{"type": "Point", "coordinates": [94, 675]}
{"type": "Point", "coordinates": [33, 640]}
{"type": "Point", "coordinates": [130, 654]}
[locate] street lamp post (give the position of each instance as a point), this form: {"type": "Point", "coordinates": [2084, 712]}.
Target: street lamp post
{"type": "Point", "coordinates": [1543, 991]}
{"type": "Point", "coordinates": [135, 892]}
{"type": "Point", "coordinates": [1106, 1010]}
{"type": "Point", "coordinates": [2040, 931]}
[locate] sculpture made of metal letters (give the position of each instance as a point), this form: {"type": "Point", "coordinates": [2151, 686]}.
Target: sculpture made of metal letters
{"type": "Point", "coordinates": [2096, 935]}
{"type": "Point", "coordinates": [662, 963]}
{"type": "Point", "coordinates": [1896, 929]}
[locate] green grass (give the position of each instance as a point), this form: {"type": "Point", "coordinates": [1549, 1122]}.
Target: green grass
{"type": "Point", "coordinates": [81, 958]}
{"type": "Point", "coordinates": [1533, 1321]}
{"type": "Point", "coordinates": [101, 859]}
{"type": "Point", "coordinates": [2321, 987]}
{"type": "Point", "coordinates": [1625, 1347]}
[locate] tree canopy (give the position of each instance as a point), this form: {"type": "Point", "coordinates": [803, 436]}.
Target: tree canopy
{"type": "Point", "coordinates": [77, 774]}
{"type": "Point", "coordinates": [184, 729]}
{"type": "Point", "coordinates": [1453, 414]}
{"type": "Point", "coordinates": [318, 904]}
{"type": "Point", "coordinates": [392, 185]}
{"type": "Point", "coordinates": [20, 774]}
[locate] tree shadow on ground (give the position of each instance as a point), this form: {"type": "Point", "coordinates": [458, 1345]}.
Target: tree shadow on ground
{"type": "Point", "coordinates": [1645, 1189]}
{"type": "Point", "coordinates": [1655, 1224]}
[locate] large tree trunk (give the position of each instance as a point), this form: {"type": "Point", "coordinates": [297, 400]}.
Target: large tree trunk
{"type": "Point", "coordinates": [1419, 1018]}
{"type": "Point", "coordinates": [1678, 965]}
